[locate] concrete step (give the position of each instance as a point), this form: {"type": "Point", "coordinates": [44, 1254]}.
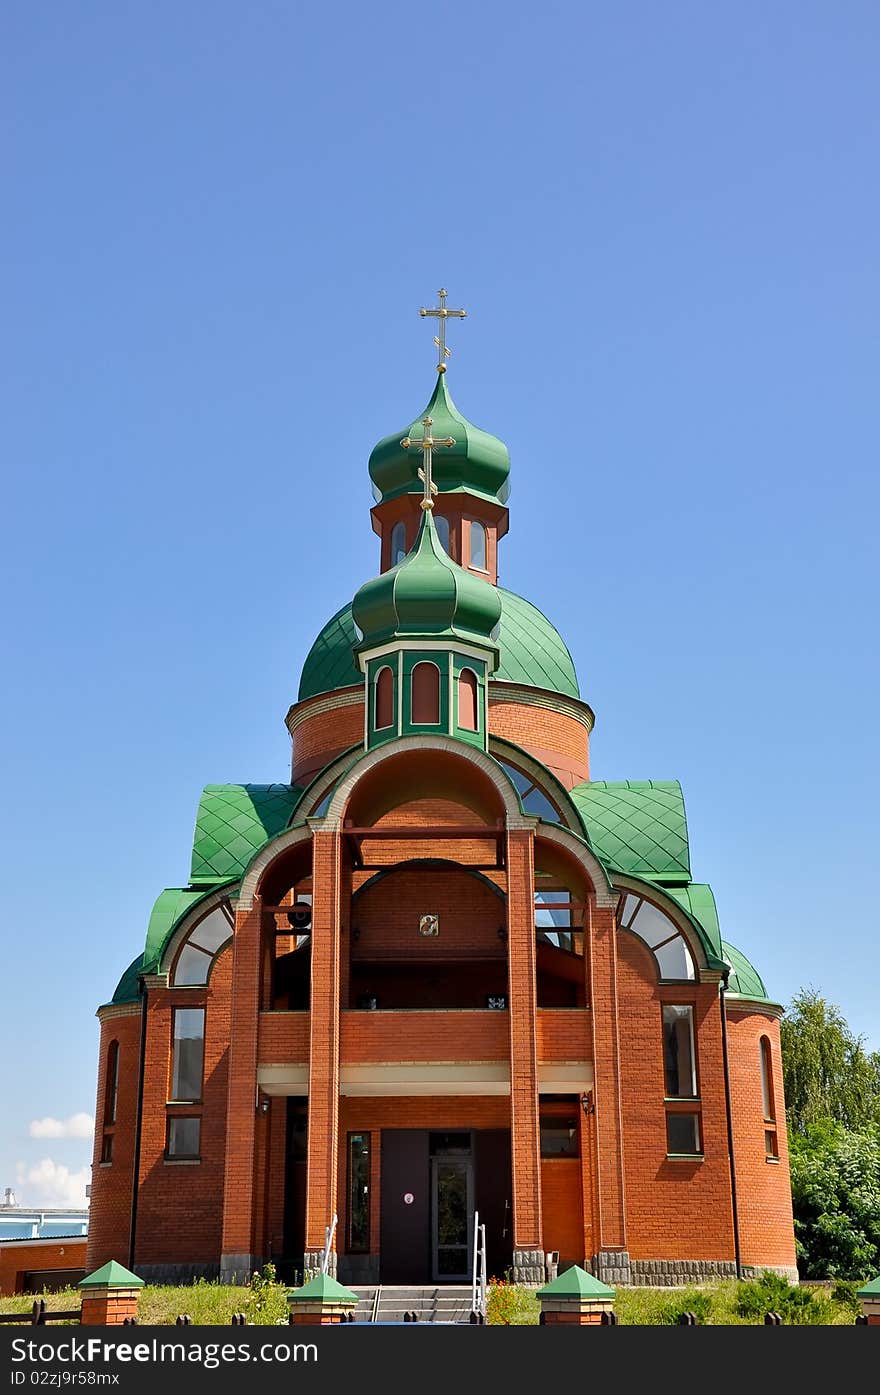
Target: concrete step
{"type": "Point", "coordinates": [446, 1303]}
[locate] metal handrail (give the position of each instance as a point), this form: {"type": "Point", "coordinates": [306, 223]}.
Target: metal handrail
{"type": "Point", "coordinates": [329, 1232]}
{"type": "Point", "coordinates": [478, 1276]}
{"type": "Point", "coordinates": [374, 1315]}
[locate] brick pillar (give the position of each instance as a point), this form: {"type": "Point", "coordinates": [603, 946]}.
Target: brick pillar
{"type": "Point", "coordinates": [109, 1297]}
{"type": "Point", "coordinates": [528, 1254]}
{"type": "Point", "coordinates": [323, 1135]}
{"type": "Point", "coordinates": [238, 1260]}
{"type": "Point", "coordinates": [611, 1260]}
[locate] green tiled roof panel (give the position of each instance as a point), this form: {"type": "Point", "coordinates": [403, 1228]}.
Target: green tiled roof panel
{"type": "Point", "coordinates": [699, 900]}
{"type": "Point", "coordinates": [637, 826]}
{"type": "Point", "coordinates": [532, 652]}
{"type": "Point", "coordinates": [233, 821]}
{"type": "Point", "coordinates": [744, 978]}
{"type": "Point", "coordinates": [171, 906]}
{"type": "Point", "coordinates": [127, 987]}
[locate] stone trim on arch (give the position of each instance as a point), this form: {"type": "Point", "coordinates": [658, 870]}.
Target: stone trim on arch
{"type": "Point", "coordinates": [485, 764]}
{"type": "Point", "coordinates": [267, 855]}
{"type": "Point", "coordinates": [606, 894]}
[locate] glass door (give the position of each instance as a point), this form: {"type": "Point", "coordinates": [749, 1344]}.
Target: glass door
{"type": "Point", "coordinates": [452, 1218]}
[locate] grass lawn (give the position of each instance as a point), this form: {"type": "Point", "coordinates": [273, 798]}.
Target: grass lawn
{"type": "Point", "coordinates": [719, 1304]}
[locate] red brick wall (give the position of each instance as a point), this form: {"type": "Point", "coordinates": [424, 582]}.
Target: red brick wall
{"type": "Point", "coordinates": [283, 1036]}
{"type": "Point", "coordinates": [763, 1188]}
{"type": "Point", "coordinates": [675, 1209]}
{"type": "Point", "coordinates": [564, 1034]}
{"type": "Point", "coordinates": [180, 1205]}
{"type": "Point", "coordinates": [387, 916]}
{"type": "Point", "coordinates": [424, 1036]}
{"type": "Point", "coordinates": [560, 742]}
{"type": "Point", "coordinates": [17, 1258]}
{"type": "Point", "coordinates": [321, 736]}
{"type": "Point", "coordinates": [110, 1206]}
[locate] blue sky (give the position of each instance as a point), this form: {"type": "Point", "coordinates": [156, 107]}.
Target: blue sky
{"type": "Point", "coordinates": [220, 221]}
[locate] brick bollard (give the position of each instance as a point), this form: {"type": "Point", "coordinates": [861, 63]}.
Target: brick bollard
{"type": "Point", "coordinates": [321, 1302]}
{"type": "Point", "coordinates": [869, 1297]}
{"type": "Point", "coordinates": [575, 1299]}
{"type": "Point", "coordinates": [109, 1296]}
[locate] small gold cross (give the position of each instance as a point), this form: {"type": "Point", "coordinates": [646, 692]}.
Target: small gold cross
{"type": "Point", "coordinates": [426, 446]}
{"type": "Point", "coordinates": [441, 313]}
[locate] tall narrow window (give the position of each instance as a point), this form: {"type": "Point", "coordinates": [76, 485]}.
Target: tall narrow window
{"type": "Point", "coordinates": [425, 688]}
{"type": "Point", "coordinates": [467, 700]}
{"type": "Point", "coordinates": [679, 1063]}
{"type": "Point", "coordinates": [441, 525]}
{"type": "Point", "coordinates": [111, 1083]}
{"type": "Point", "coordinates": [767, 1082]}
{"type": "Point", "coordinates": [398, 543]}
{"type": "Point", "coordinates": [188, 1056]}
{"type": "Point", "coordinates": [384, 710]}
{"type": "Point", "coordinates": [358, 1193]}
{"type": "Point", "coordinates": [477, 546]}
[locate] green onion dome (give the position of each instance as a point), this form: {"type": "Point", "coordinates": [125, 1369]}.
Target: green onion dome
{"type": "Point", "coordinates": [477, 464]}
{"type": "Point", "coordinates": [427, 594]}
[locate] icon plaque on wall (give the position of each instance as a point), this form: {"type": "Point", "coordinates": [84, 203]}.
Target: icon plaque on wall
{"type": "Point", "coordinates": [429, 925]}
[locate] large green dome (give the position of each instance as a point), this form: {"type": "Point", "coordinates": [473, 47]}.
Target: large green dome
{"type": "Point", "coordinates": [477, 464]}
{"type": "Point", "coordinates": [532, 652]}
{"type": "Point", "coordinates": [426, 594]}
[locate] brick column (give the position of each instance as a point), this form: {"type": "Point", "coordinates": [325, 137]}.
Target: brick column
{"type": "Point", "coordinates": [611, 1260]}
{"type": "Point", "coordinates": [323, 1134]}
{"type": "Point", "coordinates": [238, 1260]}
{"type": "Point", "coordinates": [109, 1296]}
{"type": "Point", "coordinates": [528, 1254]}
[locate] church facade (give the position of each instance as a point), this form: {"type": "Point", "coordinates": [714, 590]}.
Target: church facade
{"type": "Point", "coordinates": [440, 970]}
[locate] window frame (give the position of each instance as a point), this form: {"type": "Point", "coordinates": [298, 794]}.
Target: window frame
{"type": "Point", "coordinates": [111, 1083]}
{"type": "Point", "coordinates": [172, 1119]}
{"type": "Point", "coordinates": [413, 720]}
{"type": "Point", "coordinates": [359, 1247]}
{"type": "Point", "coordinates": [385, 726]}
{"type": "Point", "coordinates": [399, 528]}
{"type": "Point", "coordinates": [467, 670]}
{"type": "Point", "coordinates": [690, 1113]}
{"type": "Point", "coordinates": [472, 565]}
{"type": "Point", "coordinates": [174, 1098]}
{"type": "Point", "coordinates": [694, 1071]}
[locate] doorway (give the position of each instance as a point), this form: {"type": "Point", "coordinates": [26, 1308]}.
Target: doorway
{"type": "Point", "coordinates": [452, 1213]}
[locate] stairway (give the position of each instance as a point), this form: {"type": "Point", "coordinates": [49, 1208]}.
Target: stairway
{"type": "Point", "coordinates": [441, 1303]}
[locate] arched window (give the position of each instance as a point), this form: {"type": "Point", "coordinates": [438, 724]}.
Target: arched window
{"type": "Point", "coordinates": [468, 712]}
{"type": "Point", "coordinates": [398, 543]}
{"type": "Point", "coordinates": [767, 1082]}
{"type": "Point", "coordinates": [532, 797]}
{"type": "Point", "coordinates": [425, 689]}
{"type": "Point", "coordinates": [661, 935]}
{"type": "Point", "coordinates": [383, 709]}
{"type": "Point", "coordinates": [111, 1083]}
{"type": "Point", "coordinates": [477, 546]}
{"type": "Point", "coordinates": [200, 946]}
{"type": "Point", "coordinates": [441, 525]}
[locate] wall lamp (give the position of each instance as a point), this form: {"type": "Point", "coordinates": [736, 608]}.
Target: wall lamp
{"type": "Point", "coordinates": [587, 1104]}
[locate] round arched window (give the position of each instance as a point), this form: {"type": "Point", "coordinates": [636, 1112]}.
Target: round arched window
{"type": "Point", "coordinates": [194, 959]}
{"type": "Point", "coordinates": [660, 934]}
{"type": "Point", "coordinates": [398, 543]}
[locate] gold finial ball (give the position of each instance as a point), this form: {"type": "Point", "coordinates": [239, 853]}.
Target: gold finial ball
{"type": "Point", "coordinates": [423, 313]}
{"type": "Point", "coordinates": [406, 443]}
{"type": "Point", "coordinates": [427, 504]}
{"type": "Point", "coordinates": [427, 421]}
{"type": "Point", "coordinates": [441, 367]}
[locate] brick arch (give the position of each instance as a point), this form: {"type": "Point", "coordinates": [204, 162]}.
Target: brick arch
{"type": "Point", "coordinates": [605, 893]}
{"type": "Point", "coordinates": [484, 764]}
{"type": "Point", "coordinates": [262, 861]}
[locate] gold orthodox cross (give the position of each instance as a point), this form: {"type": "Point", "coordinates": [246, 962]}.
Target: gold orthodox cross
{"type": "Point", "coordinates": [441, 313]}
{"type": "Point", "coordinates": [426, 446]}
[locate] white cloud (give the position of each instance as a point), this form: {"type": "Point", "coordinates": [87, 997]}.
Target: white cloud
{"type": "Point", "coordinates": [77, 1126]}
{"type": "Point", "coordinates": [51, 1184]}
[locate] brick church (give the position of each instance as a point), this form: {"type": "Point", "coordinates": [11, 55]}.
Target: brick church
{"type": "Point", "coordinates": [440, 969]}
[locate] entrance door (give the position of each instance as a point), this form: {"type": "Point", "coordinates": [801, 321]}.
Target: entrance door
{"type": "Point", "coordinates": [452, 1207]}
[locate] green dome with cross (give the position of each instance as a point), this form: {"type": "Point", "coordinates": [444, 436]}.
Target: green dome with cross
{"type": "Point", "coordinates": [476, 463]}
{"type": "Point", "coordinates": [427, 595]}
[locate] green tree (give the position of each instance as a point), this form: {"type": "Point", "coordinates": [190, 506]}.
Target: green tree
{"type": "Point", "coordinates": [828, 1074]}
{"type": "Point", "coordinates": [835, 1184]}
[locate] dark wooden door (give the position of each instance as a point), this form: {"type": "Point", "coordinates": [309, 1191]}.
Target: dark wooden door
{"type": "Point", "coordinates": [494, 1196]}
{"type": "Point", "coordinates": [405, 1225]}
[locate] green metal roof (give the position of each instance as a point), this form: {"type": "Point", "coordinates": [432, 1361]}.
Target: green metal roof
{"type": "Point", "coordinates": [698, 900]}
{"type": "Point", "coordinates": [478, 463]}
{"type": "Point", "coordinates": [744, 979]}
{"type": "Point", "coordinates": [575, 1283]}
{"type": "Point", "coordinates": [870, 1290]}
{"type": "Point", "coordinates": [427, 593]}
{"type": "Point", "coordinates": [324, 1287]}
{"type": "Point", "coordinates": [233, 821]}
{"type": "Point", "coordinates": [111, 1275]}
{"type": "Point", "coordinates": [532, 652]}
{"type": "Point", "coordinates": [170, 908]}
{"type": "Point", "coordinates": [637, 826]}
{"type": "Point", "coordinates": [127, 988]}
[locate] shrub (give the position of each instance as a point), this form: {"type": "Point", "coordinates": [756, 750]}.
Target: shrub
{"type": "Point", "coordinates": [772, 1293]}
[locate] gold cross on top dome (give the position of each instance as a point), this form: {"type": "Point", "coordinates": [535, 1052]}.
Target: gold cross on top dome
{"type": "Point", "coordinates": [441, 313]}
{"type": "Point", "coordinates": [426, 446]}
